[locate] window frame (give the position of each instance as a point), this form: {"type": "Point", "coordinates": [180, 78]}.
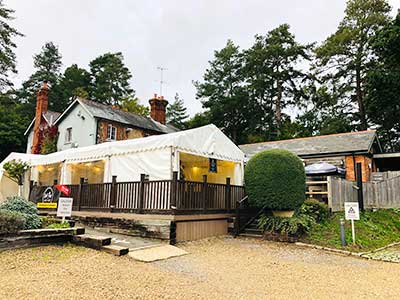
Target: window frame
{"type": "Point", "coordinates": [111, 132]}
{"type": "Point", "coordinates": [68, 136]}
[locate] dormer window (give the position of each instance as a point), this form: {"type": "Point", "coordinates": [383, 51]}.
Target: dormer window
{"type": "Point", "coordinates": [111, 133]}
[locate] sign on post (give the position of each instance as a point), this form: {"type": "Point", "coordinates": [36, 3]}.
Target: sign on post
{"type": "Point", "coordinates": [64, 207]}
{"type": "Point", "coordinates": [352, 212]}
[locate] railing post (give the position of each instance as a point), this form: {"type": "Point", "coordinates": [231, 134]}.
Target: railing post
{"type": "Point", "coordinates": [141, 192]}
{"type": "Point", "coordinates": [113, 193]}
{"type": "Point", "coordinates": [81, 182]}
{"type": "Point", "coordinates": [228, 194]}
{"type": "Point", "coordinates": [174, 188]}
{"type": "Point", "coordinates": [205, 188]}
{"type": "Point", "coordinates": [237, 219]}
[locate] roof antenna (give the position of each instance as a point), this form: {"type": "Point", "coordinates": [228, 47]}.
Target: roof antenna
{"type": "Point", "coordinates": [162, 69]}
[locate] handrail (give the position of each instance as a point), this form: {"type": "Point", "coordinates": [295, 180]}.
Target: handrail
{"type": "Point", "coordinates": [251, 220]}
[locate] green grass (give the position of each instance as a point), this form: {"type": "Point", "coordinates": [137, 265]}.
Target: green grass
{"type": "Point", "coordinates": [373, 230]}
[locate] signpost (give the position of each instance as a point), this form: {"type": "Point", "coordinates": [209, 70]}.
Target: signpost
{"type": "Point", "coordinates": [352, 212]}
{"type": "Point", "coordinates": [64, 208]}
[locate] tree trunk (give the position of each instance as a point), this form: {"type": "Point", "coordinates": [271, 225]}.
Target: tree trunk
{"type": "Point", "coordinates": [360, 100]}
{"type": "Point", "coordinates": [278, 108]}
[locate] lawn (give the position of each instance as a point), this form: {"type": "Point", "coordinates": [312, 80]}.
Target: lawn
{"type": "Point", "coordinates": [373, 230]}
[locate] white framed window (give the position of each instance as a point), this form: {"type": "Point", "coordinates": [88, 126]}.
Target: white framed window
{"type": "Point", "coordinates": [68, 135]}
{"type": "Point", "coordinates": [111, 133]}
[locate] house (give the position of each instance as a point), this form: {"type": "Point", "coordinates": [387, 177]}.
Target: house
{"type": "Point", "coordinates": [86, 123]}
{"type": "Point", "coordinates": [343, 150]}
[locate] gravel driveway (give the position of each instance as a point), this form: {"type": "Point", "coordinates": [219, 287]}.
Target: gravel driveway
{"type": "Point", "coordinates": [220, 268]}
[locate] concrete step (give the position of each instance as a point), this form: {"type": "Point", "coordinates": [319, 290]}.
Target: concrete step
{"type": "Point", "coordinates": [115, 249]}
{"type": "Point", "coordinates": [91, 241]}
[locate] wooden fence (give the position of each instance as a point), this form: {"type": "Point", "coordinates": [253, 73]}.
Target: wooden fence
{"type": "Point", "coordinates": [382, 194]}
{"type": "Point", "coordinates": [160, 196]}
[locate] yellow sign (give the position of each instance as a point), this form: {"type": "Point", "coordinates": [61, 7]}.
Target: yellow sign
{"type": "Point", "coordinates": [46, 205]}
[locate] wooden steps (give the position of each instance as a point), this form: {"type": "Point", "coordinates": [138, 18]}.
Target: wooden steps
{"type": "Point", "coordinates": [91, 241]}
{"type": "Point", "coordinates": [115, 250]}
{"type": "Point", "coordinates": [101, 243]}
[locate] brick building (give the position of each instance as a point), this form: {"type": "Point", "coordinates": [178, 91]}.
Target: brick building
{"type": "Point", "coordinates": [343, 150]}
{"type": "Point", "coordinates": [87, 122]}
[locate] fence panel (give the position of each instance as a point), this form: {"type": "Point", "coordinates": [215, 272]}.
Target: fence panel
{"type": "Point", "coordinates": [215, 198]}
{"type": "Point", "coordinates": [189, 195]}
{"type": "Point", "coordinates": [157, 195]}
{"type": "Point", "coordinates": [96, 196]}
{"type": "Point", "coordinates": [128, 194]}
{"type": "Point", "coordinates": [379, 194]}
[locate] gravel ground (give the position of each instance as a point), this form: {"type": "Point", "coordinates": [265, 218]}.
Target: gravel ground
{"type": "Point", "coordinates": [220, 268]}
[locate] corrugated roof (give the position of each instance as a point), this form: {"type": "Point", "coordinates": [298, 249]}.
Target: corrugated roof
{"type": "Point", "coordinates": [335, 143]}
{"type": "Point", "coordinates": [107, 112]}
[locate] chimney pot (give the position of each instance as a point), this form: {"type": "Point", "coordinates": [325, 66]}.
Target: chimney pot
{"type": "Point", "coordinates": [158, 108]}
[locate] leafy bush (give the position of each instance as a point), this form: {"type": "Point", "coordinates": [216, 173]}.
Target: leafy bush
{"type": "Point", "coordinates": [316, 209]}
{"type": "Point", "coordinates": [59, 225]}
{"type": "Point", "coordinates": [275, 179]}
{"type": "Point", "coordinates": [10, 222]}
{"type": "Point", "coordinates": [294, 226]}
{"type": "Point", "coordinates": [27, 209]}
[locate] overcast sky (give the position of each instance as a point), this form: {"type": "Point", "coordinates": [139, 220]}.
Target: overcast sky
{"type": "Point", "coordinates": [178, 35]}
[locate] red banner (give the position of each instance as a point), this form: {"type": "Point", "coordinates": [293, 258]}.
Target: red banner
{"type": "Point", "coordinates": [63, 189]}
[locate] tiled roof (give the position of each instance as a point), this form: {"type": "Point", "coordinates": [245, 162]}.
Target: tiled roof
{"type": "Point", "coordinates": [335, 143]}
{"type": "Point", "coordinates": [107, 112]}
{"type": "Point", "coordinates": [51, 116]}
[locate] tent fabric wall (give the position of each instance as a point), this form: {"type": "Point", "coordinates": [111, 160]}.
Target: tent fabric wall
{"type": "Point", "coordinates": [129, 167]}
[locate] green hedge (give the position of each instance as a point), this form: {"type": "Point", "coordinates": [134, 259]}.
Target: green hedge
{"type": "Point", "coordinates": [11, 222]}
{"type": "Point", "coordinates": [275, 179]}
{"type": "Point", "coordinates": [27, 209]}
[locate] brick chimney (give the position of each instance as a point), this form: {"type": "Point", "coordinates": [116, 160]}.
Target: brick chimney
{"type": "Point", "coordinates": [42, 103]}
{"type": "Point", "coordinates": [158, 106]}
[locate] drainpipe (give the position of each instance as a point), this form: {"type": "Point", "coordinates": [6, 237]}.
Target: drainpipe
{"type": "Point", "coordinates": [354, 166]}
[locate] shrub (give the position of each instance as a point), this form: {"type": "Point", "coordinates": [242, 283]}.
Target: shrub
{"type": "Point", "coordinates": [59, 225]}
{"type": "Point", "coordinates": [275, 179]}
{"type": "Point", "coordinates": [11, 222]}
{"type": "Point", "coordinates": [316, 209]}
{"type": "Point", "coordinates": [294, 226]}
{"type": "Point", "coordinates": [27, 209]}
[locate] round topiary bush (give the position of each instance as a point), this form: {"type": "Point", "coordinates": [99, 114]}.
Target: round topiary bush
{"type": "Point", "coordinates": [275, 179]}
{"type": "Point", "coordinates": [27, 209]}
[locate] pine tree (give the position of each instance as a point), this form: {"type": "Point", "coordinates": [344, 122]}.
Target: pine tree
{"type": "Point", "coordinates": [110, 79]}
{"type": "Point", "coordinates": [47, 65]}
{"type": "Point", "coordinates": [7, 46]}
{"type": "Point", "coordinates": [132, 105]}
{"type": "Point", "coordinates": [345, 57]}
{"type": "Point", "coordinates": [74, 82]}
{"type": "Point", "coordinates": [177, 113]}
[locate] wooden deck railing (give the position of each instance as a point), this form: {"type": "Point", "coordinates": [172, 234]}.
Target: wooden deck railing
{"type": "Point", "coordinates": [159, 196]}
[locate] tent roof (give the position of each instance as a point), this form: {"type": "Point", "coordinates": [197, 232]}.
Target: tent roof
{"type": "Point", "coordinates": [206, 141]}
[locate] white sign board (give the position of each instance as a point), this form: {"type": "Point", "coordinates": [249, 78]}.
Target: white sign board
{"type": "Point", "coordinates": [64, 207]}
{"type": "Point", "coordinates": [352, 211]}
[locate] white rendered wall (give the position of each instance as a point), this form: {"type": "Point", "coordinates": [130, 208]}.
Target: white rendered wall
{"type": "Point", "coordinates": [83, 129]}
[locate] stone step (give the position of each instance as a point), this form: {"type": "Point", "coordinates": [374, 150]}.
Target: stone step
{"type": "Point", "coordinates": [115, 249]}
{"type": "Point", "coordinates": [91, 241]}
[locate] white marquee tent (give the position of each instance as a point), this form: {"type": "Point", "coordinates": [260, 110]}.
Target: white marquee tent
{"type": "Point", "coordinates": [158, 156]}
